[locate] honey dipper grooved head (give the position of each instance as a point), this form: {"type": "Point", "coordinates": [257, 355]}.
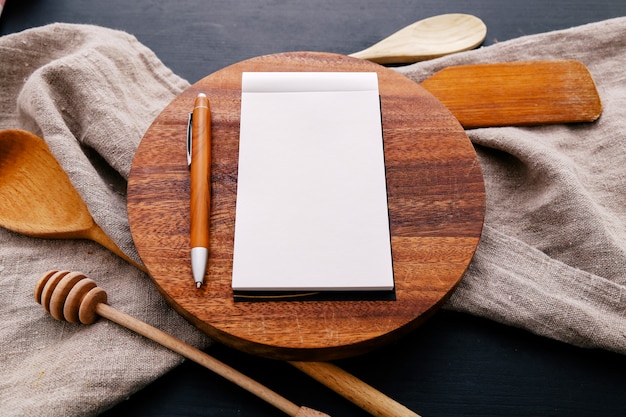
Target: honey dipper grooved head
{"type": "Point", "coordinates": [69, 296]}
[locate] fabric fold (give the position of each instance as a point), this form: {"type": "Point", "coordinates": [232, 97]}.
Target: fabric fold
{"type": "Point", "coordinates": [550, 299]}
{"type": "Point", "coordinates": [554, 202]}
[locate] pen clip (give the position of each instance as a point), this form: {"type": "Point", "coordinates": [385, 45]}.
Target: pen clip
{"type": "Point", "coordinates": [189, 139]}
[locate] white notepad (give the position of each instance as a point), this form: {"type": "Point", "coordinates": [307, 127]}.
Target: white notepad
{"type": "Point", "coordinates": [311, 211]}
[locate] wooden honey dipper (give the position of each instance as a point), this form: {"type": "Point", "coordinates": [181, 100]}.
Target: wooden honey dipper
{"type": "Point", "coordinates": [73, 297]}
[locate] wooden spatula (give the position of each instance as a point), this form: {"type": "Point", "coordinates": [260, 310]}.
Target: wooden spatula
{"type": "Point", "coordinates": [517, 93]}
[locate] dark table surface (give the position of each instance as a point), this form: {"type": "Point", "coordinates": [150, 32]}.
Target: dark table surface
{"type": "Point", "coordinates": [454, 365]}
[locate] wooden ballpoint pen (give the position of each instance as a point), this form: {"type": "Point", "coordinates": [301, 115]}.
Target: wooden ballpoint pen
{"type": "Point", "coordinates": [199, 158]}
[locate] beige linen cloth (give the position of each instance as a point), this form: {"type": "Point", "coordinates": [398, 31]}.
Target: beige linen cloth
{"type": "Point", "coordinates": [552, 258]}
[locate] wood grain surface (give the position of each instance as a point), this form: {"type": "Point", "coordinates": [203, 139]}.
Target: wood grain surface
{"type": "Point", "coordinates": [436, 206]}
{"type": "Point", "coordinates": [517, 93]}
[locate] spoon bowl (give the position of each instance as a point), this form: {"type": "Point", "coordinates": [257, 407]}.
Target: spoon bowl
{"type": "Point", "coordinates": [38, 199]}
{"type": "Point", "coordinates": [426, 39]}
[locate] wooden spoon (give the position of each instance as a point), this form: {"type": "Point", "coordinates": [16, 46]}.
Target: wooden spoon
{"type": "Point", "coordinates": [426, 39]}
{"type": "Point", "coordinates": [71, 296]}
{"type": "Point", "coordinates": [38, 198]}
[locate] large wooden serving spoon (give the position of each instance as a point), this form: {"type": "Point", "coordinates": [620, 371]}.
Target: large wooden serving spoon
{"type": "Point", "coordinates": [38, 198]}
{"type": "Point", "coordinates": [426, 39]}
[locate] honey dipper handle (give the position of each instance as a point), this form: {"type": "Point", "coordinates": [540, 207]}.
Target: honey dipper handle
{"type": "Point", "coordinates": [353, 389]}
{"type": "Point", "coordinates": [205, 360]}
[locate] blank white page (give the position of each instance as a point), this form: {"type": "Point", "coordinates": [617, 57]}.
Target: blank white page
{"type": "Point", "coordinates": [311, 211]}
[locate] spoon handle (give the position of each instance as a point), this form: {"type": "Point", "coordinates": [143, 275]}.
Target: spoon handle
{"type": "Point", "coordinates": [350, 387]}
{"type": "Point", "coordinates": [96, 234]}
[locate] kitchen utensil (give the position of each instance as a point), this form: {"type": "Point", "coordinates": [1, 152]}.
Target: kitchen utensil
{"type": "Point", "coordinates": [517, 93]}
{"type": "Point", "coordinates": [426, 39]}
{"type": "Point", "coordinates": [38, 198]}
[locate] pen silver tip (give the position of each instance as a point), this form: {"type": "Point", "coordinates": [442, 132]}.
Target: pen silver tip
{"type": "Point", "coordinates": [201, 95]}
{"type": "Point", "coordinates": [198, 284]}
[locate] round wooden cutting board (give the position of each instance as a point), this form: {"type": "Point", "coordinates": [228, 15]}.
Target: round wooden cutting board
{"type": "Point", "coordinates": [436, 206]}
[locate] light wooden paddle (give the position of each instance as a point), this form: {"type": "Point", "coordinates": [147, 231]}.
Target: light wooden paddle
{"type": "Point", "coordinates": [517, 93]}
{"type": "Point", "coordinates": [426, 39]}
{"type": "Point", "coordinates": [38, 198]}
{"type": "Point", "coordinates": [72, 297]}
